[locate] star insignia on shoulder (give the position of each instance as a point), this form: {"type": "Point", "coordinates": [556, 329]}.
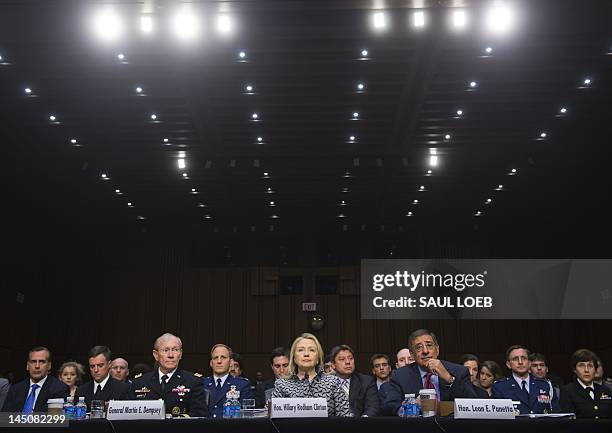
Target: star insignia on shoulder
{"type": "Point", "coordinates": [138, 375]}
{"type": "Point", "coordinates": [198, 374]}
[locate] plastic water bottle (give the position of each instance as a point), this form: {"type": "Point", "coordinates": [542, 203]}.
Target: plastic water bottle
{"type": "Point", "coordinates": [227, 407]}
{"type": "Point", "coordinates": [403, 408]}
{"type": "Point", "coordinates": [412, 408]}
{"type": "Point", "coordinates": [236, 407]}
{"type": "Point", "coordinates": [69, 409]}
{"type": "Point", "coordinates": [81, 409]}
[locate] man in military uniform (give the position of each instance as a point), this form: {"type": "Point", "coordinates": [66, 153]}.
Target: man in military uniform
{"type": "Point", "coordinates": [220, 382]}
{"type": "Point", "coordinates": [535, 395]}
{"type": "Point", "coordinates": [181, 390]}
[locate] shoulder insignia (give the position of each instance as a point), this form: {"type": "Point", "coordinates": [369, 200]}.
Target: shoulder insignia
{"type": "Point", "coordinates": [198, 374]}
{"type": "Point", "coordinates": [138, 375]}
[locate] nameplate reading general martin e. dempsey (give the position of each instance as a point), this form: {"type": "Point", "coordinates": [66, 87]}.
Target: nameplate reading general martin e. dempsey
{"type": "Point", "coordinates": [136, 409]}
{"type": "Point", "coordinates": [298, 408]}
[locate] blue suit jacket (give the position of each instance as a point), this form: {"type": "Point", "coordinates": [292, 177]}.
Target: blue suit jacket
{"type": "Point", "coordinates": [217, 398]}
{"type": "Point", "coordinates": [539, 395]}
{"type": "Point", "coordinates": [16, 397]}
{"type": "Point", "coordinates": [408, 380]}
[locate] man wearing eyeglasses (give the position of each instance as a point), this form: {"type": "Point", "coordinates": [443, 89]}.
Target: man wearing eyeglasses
{"type": "Point", "coordinates": [534, 395]}
{"type": "Point", "coordinates": [427, 372]}
{"type": "Point", "coordinates": [182, 391]}
{"type": "Point", "coordinates": [221, 381]}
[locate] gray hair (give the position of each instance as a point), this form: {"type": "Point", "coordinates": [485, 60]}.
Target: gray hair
{"type": "Point", "coordinates": [165, 337]}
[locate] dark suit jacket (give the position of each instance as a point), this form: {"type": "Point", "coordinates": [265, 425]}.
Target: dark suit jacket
{"type": "Point", "coordinates": [539, 395]}
{"type": "Point", "coordinates": [260, 392]}
{"type": "Point", "coordinates": [113, 390]}
{"type": "Point", "coordinates": [217, 399]}
{"type": "Point", "coordinates": [408, 380]}
{"type": "Point", "coordinates": [481, 393]}
{"type": "Point", "coordinates": [16, 397]}
{"type": "Point", "coordinates": [363, 395]}
{"type": "Point", "coordinates": [574, 398]}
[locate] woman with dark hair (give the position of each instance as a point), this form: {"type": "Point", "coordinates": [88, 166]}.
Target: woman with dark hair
{"type": "Point", "coordinates": [71, 373]}
{"type": "Point", "coordinates": [307, 378]}
{"type": "Point", "coordinates": [583, 396]}
{"type": "Point", "coordinates": [490, 371]}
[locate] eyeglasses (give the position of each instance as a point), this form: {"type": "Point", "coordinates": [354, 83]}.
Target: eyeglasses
{"type": "Point", "coordinates": [429, 345]}
{"type": "Point", "coordinates": [167, 350]}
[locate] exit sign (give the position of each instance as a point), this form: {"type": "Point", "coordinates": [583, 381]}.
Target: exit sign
{"type": "Point", "coordinates": [309, 306]}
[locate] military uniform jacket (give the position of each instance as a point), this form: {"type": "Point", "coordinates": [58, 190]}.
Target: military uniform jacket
{"type": "Point", "coordinates": [183, 394]}
{"type": "Point", "coordinates": [539, 400]}
{"type": "Point", "coordinates": [217, 398]}
{"type": "Point", "coordinates": [576, 399]}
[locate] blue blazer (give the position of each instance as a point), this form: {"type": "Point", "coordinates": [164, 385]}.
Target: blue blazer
{"type": "Point", "coordinates": [539, 400]}
{"type": "Point", "coordinates": [408, 380]}
{"type": "Point", "coordinates": [217, 398]}
{"type": "Point", "coordinates": [16, 397]}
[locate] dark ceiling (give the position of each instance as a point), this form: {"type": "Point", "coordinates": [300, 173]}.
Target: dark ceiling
{"type": "Point", "coordinates": [303, 59]}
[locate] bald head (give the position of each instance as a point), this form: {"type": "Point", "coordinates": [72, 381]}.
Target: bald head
{"type": "Point", "coordinates": [119, 369]}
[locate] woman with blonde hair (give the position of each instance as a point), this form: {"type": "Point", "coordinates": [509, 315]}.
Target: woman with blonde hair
{"type": "Point", "coordinates": [71, 373]}
{"type": "Point", "coordinates": [307, 379]}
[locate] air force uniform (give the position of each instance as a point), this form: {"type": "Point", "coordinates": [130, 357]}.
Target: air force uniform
{"type": "Point", "coordinates": [217, 396]}
{"type": "Point", "coordinates": [539, 399]}
{"type": "Point", "coordinates": [183, 393]}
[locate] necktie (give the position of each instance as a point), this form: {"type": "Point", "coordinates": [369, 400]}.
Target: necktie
{"type": "Point", "coordinates": [218, 385]}
{"type": "Point", "coordinates": [591, 393]}
{"type": "Point", "coordinates": [345, 386]}
{"type": "Point", "coordinates": [427, 382]}
{"type": "Point", "coordinates": [164, 380]}
{"type": "Point", "coordinates": [29, 403]}
{"type": "Point", "coordinates": [524, 388]}
{"type": "Point", "coordinates": [98, 390]}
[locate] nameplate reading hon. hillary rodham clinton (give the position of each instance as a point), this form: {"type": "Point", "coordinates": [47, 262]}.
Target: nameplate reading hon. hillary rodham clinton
{"type": "Point", "coordinates": [136, 409]}
{"type": "Point", "coordinates": [484, 408]}
{"type": "Point", "coordinates": [298, 408]}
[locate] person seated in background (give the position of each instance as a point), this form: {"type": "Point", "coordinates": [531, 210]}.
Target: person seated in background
{"type": "Point", "coordinates": [427, 372]}
{"type": "Point", "coordinates": [490, 371]}
{"type": "Point", "coordinates": [102, 386]}
{"type": "Point", "coordinates": [181, 390]}
{"type": "Point", "coordinates": [31, 395]}
{"type": "Point", "coordinates": [583, 396]}
{"type": "Point", "coordinates": [279, 363]}
{"type": "Point", "coordinates": [404, 357]}
{"type": "Point", "coordinates": [120, 369]}
{"type": "Point", "coordinates": [534, 395]}
{"type": "Point", "coordinates": [236, 365]}
{"type": "Point", "coordinates": [381, 368]}
{"type": "Point", "coordinates": [600, 376]}
{"type": "Point", "coordinates": [71, 373]}
{"type": "Point", "coordinates": [221, 380]}
{"type": "Point", "coordinates": [539, 370]}
{"type": "Point", "coordinates": [471, 362]}
{"type": "Point", "coordinates": [328, 365]}
{"type": "Point", "coordinates": [307, 378]}
{"type": "Point", "coordinates": [361, 389]}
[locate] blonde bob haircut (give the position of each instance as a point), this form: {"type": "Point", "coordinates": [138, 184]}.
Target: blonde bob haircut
{"type": "Point", "coordinates": [306, 336]}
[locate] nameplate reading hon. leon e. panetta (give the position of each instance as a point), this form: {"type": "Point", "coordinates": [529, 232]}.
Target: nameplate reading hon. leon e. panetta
{"type": "Point", "coordinates": [483, 408]}
{"type": "Point", "coordinates": [298, 408]}
{"type": "Point", "coordinates": [136, 409]}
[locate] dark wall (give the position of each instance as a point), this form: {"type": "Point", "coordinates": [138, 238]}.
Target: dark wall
{"type": "Point", "coordinates": [126, 294]}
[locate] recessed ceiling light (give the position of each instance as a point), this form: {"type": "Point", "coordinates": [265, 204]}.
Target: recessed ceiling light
{"type": "Point", "coordinates": [488, 50]}
{"type": "Point", "coordinates": [543, 134]}
{"type": "Point", "coordinates": [242, 54]}
{"type": "Point", "coordinates": [352, 138]}
{"type": "Point", "coordinates": [272, 203]}
{"type": "Point", "coordinates": [419, 19]}
{"type": "Point", "coordinates": [409, 214]}
{"type": "Point", "coordinates": [563, 110]}
{"type": "Point", "coordinates": [415, 201]}
{"type": "Point", "coordinates": [433, 160]}
{"type": "Point", "coordinates": [104, 176]}
{"type": "Point", "coordinates": [355, 115]}
{"type": "Point", "coordinates": [459, 112]}
{"type": "Point", "coordinates": [422, 188]}
{"type": "Point", "coordinates": [343, 203]}
{"type": "Point", "coordinates": [249, 88]}
{"type": "Point", "coordinates": [27, 90]}
{"type": "Point", "coordinates": [429, 171]}
{"type": "Point", "coordinates": [139, 89]}
{"type": "Point", "coordinates": [207, 217]}
{"type": "Point", "coordinates": [52, 118]}
{"type": "Point", "coordinates": [185, 175]}
{"type": "Point", "coordinates": [364, 53]}
{"type": "Point", "coordinates": [360, 86]}
{"type": "Point", "coordinates": [201, 205]}
{"type": "Point", "coordinates": [488, 201]}
{"type": "Point", "coordinates": [181, 163]}
{"type": "Point", "coordinates": [500, 187]}
{"type": "Point", "coordinates": [266, 174]}
{"type": "Point", "coordinates": [259, 139]}
{"type": "Point", "coordinates": [153, 116]}
{"type": "Point", "coordinates": [121, 56]}
{"type": "Point", "coordinates": [193, 190]}
{"type": "Point", "coordinates": [587, 81]}
{"type": "Point", "coordinates": [254, 116]}
{"type": "Point", "coordinates": [447, 137]}
{"type": "Point", "coordinates": [166, 140]}
{"type": "Point", "coordinates": [478, 214]}
{"type": "Point", "coordinates": [73, 141]}
{"type": "Point", "coordinates": [473, 84]}
{"type": "Point", "coordinates": [513, 170]}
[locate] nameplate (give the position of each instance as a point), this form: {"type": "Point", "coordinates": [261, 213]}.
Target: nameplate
{"type": "Point", "coordinates": [298, 408]}
{"type": "Point", "coordinates": [136, 409]}
{"type": "Point", "coordinates": [483, 408]}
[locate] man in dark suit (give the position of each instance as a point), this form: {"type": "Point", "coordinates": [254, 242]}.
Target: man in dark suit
{"type": "Point", "coordinates": [31, 394]}
{"type": "Point", "coordinates": [584, 397]}
{"type": "Point", "coordinates": [361, 389]}
{"type": "Point", "coordinates": [103, 386]}
{"type": "Point", "coordinates": [535, 395]}
{"type": "Point", "coordinates": [472, 363]}
{"type": "Point", "coordinates": [279, 362]}
{"type": "Point", "coordinates": [181, 390]}
{"type": "Point", "coordinates": [449, 380]}
{"type": "Point", "coordinates": [221, 381]}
